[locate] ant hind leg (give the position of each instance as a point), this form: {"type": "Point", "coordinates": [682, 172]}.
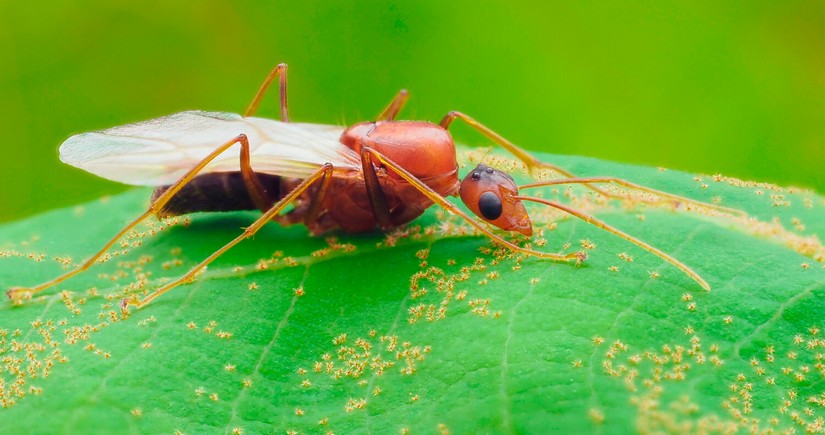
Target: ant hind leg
{"type": "Point", "coordinates": [19, 293]}
{"type": "Point", "coordinates": [280, 72]}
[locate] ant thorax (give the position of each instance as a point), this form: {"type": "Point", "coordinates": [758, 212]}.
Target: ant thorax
{"type": "Point", "coordinates": [424, 149]}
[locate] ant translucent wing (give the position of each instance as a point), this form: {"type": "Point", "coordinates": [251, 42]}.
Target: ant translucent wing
{"type": "Point", "coordinates": [159, 151]}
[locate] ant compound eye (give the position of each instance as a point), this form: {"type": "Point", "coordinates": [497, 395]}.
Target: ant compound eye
{"type": "Point", "coordinates": [475, 176]}
{"type": "Point", "coordinates": [489, 204]}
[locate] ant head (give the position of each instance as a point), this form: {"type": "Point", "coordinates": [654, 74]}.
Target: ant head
{"type": "Point", "coordinates": [491, 195]}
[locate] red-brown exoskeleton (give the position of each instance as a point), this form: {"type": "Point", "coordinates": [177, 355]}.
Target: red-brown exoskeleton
{"type": "Point", "coordinates": [372, 175]}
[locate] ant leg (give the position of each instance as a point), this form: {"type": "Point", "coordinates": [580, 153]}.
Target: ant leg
{"type": "Point", "coordinates": [601, 224]}
{"type": "Point", "coordinates": [314, 209]}
{"type": "Point", "coordinates": [324, 172]}
{"type": "Point", "coordinates": [390, 112]}
{"type": "Point", "coordinates": [16, 293]}
{"type": "Point", "coordinates": [279, 71]}
{"type": "Point", "coordinates": [376, 196]}
{"type": "Point", "coordinates": [531, 162]}
{"type": "Point", "coordinates": [260, 197]}
{"type": "Point", "coordinates": [661, 196]}
{"type": "Point", "coordinates": [436, 198]}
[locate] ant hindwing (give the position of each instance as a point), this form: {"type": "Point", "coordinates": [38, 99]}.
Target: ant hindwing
{"type": "Point", "coordinates": [381, 174]}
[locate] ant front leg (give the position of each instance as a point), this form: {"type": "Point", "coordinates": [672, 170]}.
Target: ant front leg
{"type": "Point", "coordinates": [533, 164]}
{"type": "Point", "coordinates": [658, 197]}
{"type": "Point", "coordinates": [280, 72]}
{"type": "Point", "coordinates": [604, 226]}
{"type": "Point", "coordinates": [375, 156]}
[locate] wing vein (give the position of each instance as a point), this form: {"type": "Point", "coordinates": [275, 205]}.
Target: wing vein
{"type": "Point", "coordinates": [158, 151]}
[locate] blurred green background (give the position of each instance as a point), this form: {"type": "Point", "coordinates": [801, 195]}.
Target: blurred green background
{"type": "Point", "coordinates": [704, 86]}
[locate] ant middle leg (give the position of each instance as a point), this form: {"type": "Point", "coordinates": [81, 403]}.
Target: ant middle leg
{"type": "Point", "coordinates": [262, 199]}
{"type": "Point", "coordinates": [323, 173]}
{"type": "Point", "coordinates": [280, 72]}
{"type": "Point", "coordinates": [391, 111]}
{"type": "Point", "coordinates": [378, 202]}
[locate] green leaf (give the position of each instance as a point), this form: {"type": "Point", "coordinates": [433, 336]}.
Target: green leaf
{"type": "Point", "coordinates": [423, 330]}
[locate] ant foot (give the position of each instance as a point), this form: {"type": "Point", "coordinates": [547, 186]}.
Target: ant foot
{"type": "Point", "coordinates": [19, 294]}
{"type": "Point", "coordinates": [124, 306]}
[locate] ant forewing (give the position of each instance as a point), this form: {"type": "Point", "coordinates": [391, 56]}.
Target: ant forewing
{"type": "Point", "coordinates": [380, 174]}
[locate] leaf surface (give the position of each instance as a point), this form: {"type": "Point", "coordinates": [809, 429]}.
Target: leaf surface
{"type": "Point", "coordinates": [426, 329]}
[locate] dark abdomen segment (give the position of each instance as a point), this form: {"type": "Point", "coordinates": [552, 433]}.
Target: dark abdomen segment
{"type": "Point", "coordinates": [220, 191]}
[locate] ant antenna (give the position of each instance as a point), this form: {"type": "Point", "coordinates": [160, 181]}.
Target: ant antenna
{"type": "Point", "coordinates": [489, 149]}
